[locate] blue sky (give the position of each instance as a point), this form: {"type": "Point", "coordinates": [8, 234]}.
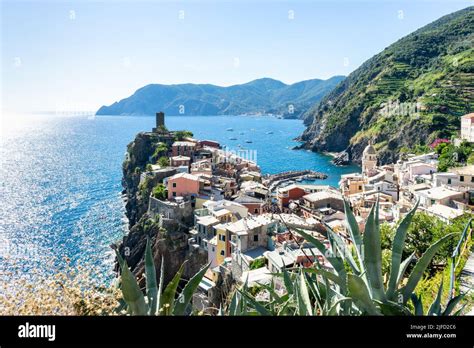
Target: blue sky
{"type": "Point", "coordinates": [83, 54]}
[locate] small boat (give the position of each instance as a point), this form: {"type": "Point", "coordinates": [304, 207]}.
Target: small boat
{"type": "Point", "coordinates": [233, 138]}
{"type": "Point", "coordinates": [248, 141]}
{"type": "Point", "coordinates": [270, 132]}
{"type": "Point", "coordinates": [241, 133]}
{"type": "Point", "coordinates": [230, 129]}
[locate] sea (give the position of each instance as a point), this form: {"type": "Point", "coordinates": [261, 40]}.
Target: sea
{"type": "Point", "coordinates": [60, 187]}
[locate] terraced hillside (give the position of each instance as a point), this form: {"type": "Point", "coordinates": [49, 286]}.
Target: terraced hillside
{"type": "Point", "coordinates": [411, 93]}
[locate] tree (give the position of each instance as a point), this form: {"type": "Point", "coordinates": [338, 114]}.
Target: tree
{"type": "Point", "coordinates": [160, 150]}
{"type": "Point", "coordinates": [159, 192]}
{"type": "Point", "coordinates": [180, 135]}
{"type": "Point", "coordinates": [163, 161]}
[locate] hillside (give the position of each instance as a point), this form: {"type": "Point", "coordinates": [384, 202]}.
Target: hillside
{"type": "Point", "coordinates": [265, 96]}
{"type": "Point", "coordinates": [429, 73]}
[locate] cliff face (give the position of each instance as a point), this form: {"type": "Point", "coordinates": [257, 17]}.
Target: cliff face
{"type": "Point", "coordinates": [409, 94]}
{"type": "Point", "coordinates": [169, 242]}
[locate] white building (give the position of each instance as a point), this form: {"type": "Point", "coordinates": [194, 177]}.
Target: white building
{"type": "Point", "coordinates": [467, 127]}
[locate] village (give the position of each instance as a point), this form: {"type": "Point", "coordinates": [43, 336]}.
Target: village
{"type": "Point", "coordinates": [246, 224]}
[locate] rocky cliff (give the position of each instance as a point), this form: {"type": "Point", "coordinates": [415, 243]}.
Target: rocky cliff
{"type": "Point", "coordinates": [409, 94]}
{"type": "Point", "coordinates": [170, 243]}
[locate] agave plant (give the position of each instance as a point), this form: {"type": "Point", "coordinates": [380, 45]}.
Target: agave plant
{"type": "Point", "coordinates": [157, 301]}
{"type": "Point", "coordinates": [357, 289]}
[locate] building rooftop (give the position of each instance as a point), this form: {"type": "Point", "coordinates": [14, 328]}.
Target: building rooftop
{"type": "Point", "coordinates": [247, 199]}
{"type": "Point", "coordinates": [444, 211]}
{"type": "Point", "coordinates": [438, 193]}
{"type": "Point", "coordinates": [181, 158]}
{"type": "Point", "coordinates": [469, 116]}
{"type": "Point", "coordinates": [318, 196]}
{"type": "Point", "coordinates": [221, 212]}
{"type": "Point", "coordinates": [184, 176]}
{"type": "Point", "coordinates": [184, 143]}
{"type": "Point", "coordinates": [241, 227]}
{"type": "Point", "coordinates": [467, 170]}
{"type": "Point", "coordinates": [207, 220]}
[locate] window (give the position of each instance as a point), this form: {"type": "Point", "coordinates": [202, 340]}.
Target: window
{"type": "Point", "coordinates": [213, 249]}
{"type": "Point", "coordinates": [255, 211]}
{"type": "Point", "coordinates": [222, 253]}
{"type": "Point", "coordinates": [255, 238]}
{"type": "Point", "coordinates": [222, 237]}
{"type": "Point", "coordinates": [472, 178]}
{"type": "Point", "coordinates": [461, 178]}
{"type": "Point", "coordinates": [360, 187]}
{"type": "Point", "coordinates": [449, 181]}
{"type": "Point", "coordinates": [174, 194]}
{"type": "Point", "coordinates": [174, 184]}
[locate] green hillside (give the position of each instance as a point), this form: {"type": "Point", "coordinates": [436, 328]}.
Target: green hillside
{"type": "Point", "coordinates": [429, 73]}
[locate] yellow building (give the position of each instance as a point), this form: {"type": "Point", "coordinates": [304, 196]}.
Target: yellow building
{"type": "Point", "coordinates": [221, 248]}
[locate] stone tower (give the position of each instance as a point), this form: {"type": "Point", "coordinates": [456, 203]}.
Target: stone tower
{"type": "Point", "coordinates": [160, 121]}
{"type": "Point", "coordinates": [369, 159]}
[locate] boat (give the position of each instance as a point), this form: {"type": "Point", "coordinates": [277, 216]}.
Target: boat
{"type": "Point", "coordinates": [233, 138]}
{"type": "Point", "coordinates": [230, 129]}
{"type": "Point", "coordinates": [270, 132]}
{"type": "Point", "coordinates": [248, 141]}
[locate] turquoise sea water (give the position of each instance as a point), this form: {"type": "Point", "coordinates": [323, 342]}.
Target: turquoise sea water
{"type": "Point", "coordinates": [61, 180]}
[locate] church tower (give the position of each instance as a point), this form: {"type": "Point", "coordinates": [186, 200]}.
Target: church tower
{"type": "Point", "coordinates": [369, 159]}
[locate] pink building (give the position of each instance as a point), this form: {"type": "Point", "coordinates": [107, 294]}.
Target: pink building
{"type": "Point", "coordinates": [183, 185]}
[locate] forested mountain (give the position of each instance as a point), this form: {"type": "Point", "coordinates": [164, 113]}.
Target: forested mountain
{"type": "Point", "coordinates": [262, 96]}
{"type": "Point", "coordinates": [411, 93]}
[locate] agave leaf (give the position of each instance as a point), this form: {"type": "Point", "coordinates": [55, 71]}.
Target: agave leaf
{"type": "Point", "coordinates": [131, 292]}
{"type": "Point", "coordinates": [304, 294]}
{"type": "Point", "coordinates": [151, 284]}
{"type": "Point", "coordinates": [373, 255]}
{"type": "Point", "coordinates": [284, 309]}
{"type": "Point", "coordinates": [420, 267]}
{"type": "Point", "coordinates": [326, 274]}
{"type": "Point", "coordinates": [358, 291]}
{"type": "Point", "coordinates": [452, 303]}
{"type": "Point", "coordinates": [186, 295]}
{"type": "Point", "coordinates": [353, 229]}
{"type": "Point", "coordinates": [160, 287]}
{"type": "Point", "coordinates": [393, 308]}
{"type": "Point", "coordinates": [333, 310]}
{"type": "Point", "coordinates": [258, 307]}
{"type": "Point", "coordinates": [119, 258]}
{"type": "Point", "coordinates": [397, 251]}
{"type": "Point", "coordinates": [403, 268]}
{"type": "Point", "coordinates": [417, 303]}
{"type": "Point", "coordinates": [167, 300]}
{"type": "Point", "coordinates": [233, 304]}
{"type": "Point", "coordinates": [273, 294]}
{"type": "Point", "coordinates": [286, 279]}
{"type": "Point", "coordinates": [341, 246]}
{"type": "Point", "coordinates": [334, 260]}
{"type": "Point", "coordinates": [435, 308]}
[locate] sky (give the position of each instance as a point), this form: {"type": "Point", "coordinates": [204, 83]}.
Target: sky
{"type": "Point", "coordinates": [79, 55]}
